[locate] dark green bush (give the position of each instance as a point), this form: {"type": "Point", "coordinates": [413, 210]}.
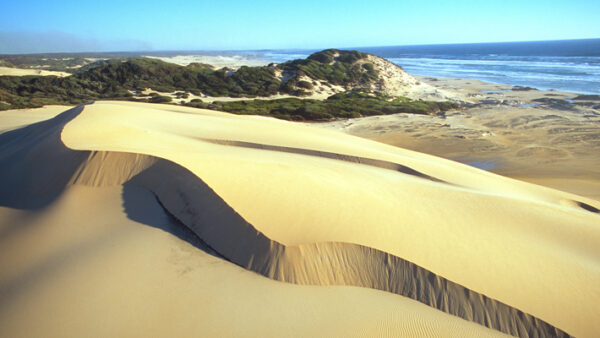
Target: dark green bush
{"type": "Point", "coordinates": [343, 105]}
{"type": "Point", "coordinates": [160, 99]}
{"type": "Point", "coordinates": [325, 56]}
{"type": "Point", "coordinates": [345, 71]}
{"type": "Point", "coordinates": [304, 84]}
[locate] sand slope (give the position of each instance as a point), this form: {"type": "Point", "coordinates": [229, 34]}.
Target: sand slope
{"type": "Point", "coordinates": [7, 71]}
{"type": "Point", "coordinates": [135, 272]}
{"type": "Point", "coordinates": [300, 205]}
{"type": "Point", "coordinates": [18, 118]}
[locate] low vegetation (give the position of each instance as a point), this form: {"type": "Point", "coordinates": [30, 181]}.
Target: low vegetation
{"type": "Point", "coordinates": [46, 62]}
{"type": "Point", "coordinates": [335, 67]}
{"type": "Point", "coordinates": [160, 99]}
{"type": "Point", "coordinates": [119, 79]}
{"type": "Point", "coordinates": [342, 105]}
{"type": "Point", "coordinates": [64, 62]}
{"type": "Point", "coordinates": [4, 63]}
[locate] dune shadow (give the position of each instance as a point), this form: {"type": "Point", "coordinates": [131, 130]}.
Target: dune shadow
{"type": "Point", "coordinates": [142, 206]}
{"type": "Point", "coordinates": [588, 207]}
{"type": "Point", "coordinates": [194, 204]}
{"type": "Point", "coordinates": [329, 155]}
{"type": "Point", "coordinates": [36, 166]}
{"type": "Point", "coordinates": [26, 182]}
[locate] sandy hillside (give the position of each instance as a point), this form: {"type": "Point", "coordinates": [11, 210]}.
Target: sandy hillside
{"type": "Point", "coordinates": [28, 71]}
{"type": "Point", "coordinates": [18, 118]}
{"type": "Point", "coordinates": [391, 79]}
{"type": "Point", "coordinates": [121, 218]}
{"type": "Point", "coordinates": [218, 61]}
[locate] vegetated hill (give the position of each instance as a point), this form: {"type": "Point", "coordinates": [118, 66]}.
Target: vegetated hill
{"type": "Point", "coordinates": [349, 104]}
{"type": "Point", "coordinates": [336, 71]}
{"type": "Point", "coordinates": [56, 62]}
{"type": "Point", "coordinates": [4, 63]}
{"type": "Point", "coordinates": [326, 68]}
{"type": "Point", "coordinates": [115, 79]}
{"type": "Point", "coordinates": [63, 62]}
{"type": "Point", "coordinates": [326, 73]}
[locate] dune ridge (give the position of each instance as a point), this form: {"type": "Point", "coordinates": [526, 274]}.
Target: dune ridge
{"type": "Point", "coordinates": [194, 204]}
{"type": "Point", "coordinates": [325, 154]}
{"type": "Point", "coordinates": [185, 196]}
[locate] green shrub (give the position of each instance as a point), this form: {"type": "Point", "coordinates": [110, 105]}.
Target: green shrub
{"type": "Point", "coordinates": [344, 71]}
{"type": "Point", "coordinates": [325, 56]}
{"type": "Point", "coordinates": [160, 99]}
{"type": "Point", "coordinates": [304, 84]}
{"type": "Point", "coordinates": [349, 104]}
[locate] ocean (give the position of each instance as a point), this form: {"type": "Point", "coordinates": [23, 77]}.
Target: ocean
{"type": "Point", "coordinates": [566, 65]}
{"type": "Point", "coordinates": [569, 65]}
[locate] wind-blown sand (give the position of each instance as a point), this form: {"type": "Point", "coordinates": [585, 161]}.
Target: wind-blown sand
{"type": "Point", "coordinates": [122, 218]}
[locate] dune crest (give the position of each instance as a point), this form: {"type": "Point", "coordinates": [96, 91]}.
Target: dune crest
{"type": "Point", "coordinates": [202, 176]}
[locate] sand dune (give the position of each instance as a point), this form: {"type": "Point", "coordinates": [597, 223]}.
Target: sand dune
{"type": "Point", "coordinates": [7, 71]}
{"type": "Point", "coordinates": [293, 203]}
{"type": "Point", "coordinates": [138, 273]}
{"type": "Point", "coordinates": [18, 118]}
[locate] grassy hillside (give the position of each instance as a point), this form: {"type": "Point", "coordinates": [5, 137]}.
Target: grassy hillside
{"type": "Point", "coordinates": [4, 63]}
{"type": "Point", "coordinates": [334, 66]}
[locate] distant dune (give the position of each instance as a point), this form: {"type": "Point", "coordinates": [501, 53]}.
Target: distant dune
{"type": "Point", "coordinates": [121, 218]}
{"type": "Point", "coordinates": [218, 61]}
{"type": "Point", "coordinates": [22, 71]}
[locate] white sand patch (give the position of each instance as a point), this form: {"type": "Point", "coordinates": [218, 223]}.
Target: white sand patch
{"type": "Point", "coordinates": [395, 81]}
{"type": "Point", "coordinates": [145, 94]}
{"type": "Point", "coordinates": [218, 61]}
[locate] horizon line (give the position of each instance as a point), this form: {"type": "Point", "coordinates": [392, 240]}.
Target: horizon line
{"type": "Point", "coordinates": [286, 49]}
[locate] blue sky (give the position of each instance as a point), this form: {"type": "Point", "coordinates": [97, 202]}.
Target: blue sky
{"type": "Point", "coordinates": [49, 26]}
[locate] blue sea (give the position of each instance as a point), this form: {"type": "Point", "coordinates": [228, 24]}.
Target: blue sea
{"type": "Point", "coordinates": [566, 65]}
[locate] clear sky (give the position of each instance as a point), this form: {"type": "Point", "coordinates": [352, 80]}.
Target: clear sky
{"type": "Point", "coordinates": [109, 25]}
